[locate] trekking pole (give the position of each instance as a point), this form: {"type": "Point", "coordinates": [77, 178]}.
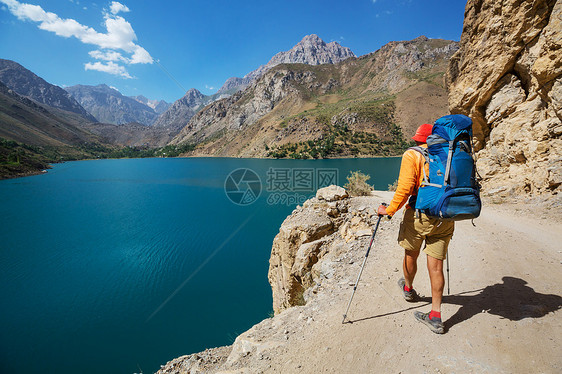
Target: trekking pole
{"type": "Point", "coordinates": [362, 267]}
{"type": "Point", "coordinates": [448, 288]}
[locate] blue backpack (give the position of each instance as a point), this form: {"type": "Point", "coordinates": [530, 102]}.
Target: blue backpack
{"type": "Point", "coordinates": [451, 191]}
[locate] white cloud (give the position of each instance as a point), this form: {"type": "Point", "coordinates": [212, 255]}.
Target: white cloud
{"type": "Point", "coordinates": [116, 7]}
{"type": "Point", "coordinates": [209, 87]}
{"type": "Point", "coordinates": [108, 56]}
{"type": "Point", "coordinates": [141, 56]}
{"type": "Point", "coordinates": [118, 38]}
{"type": "Point", "coordinates": [110, 68]}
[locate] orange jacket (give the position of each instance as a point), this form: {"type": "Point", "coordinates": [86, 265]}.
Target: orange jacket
{"type": "Point", "coordinates": [410, 179]}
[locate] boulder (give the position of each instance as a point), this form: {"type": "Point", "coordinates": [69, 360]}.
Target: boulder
{"type": "Point", "coordinates": [331, 193]}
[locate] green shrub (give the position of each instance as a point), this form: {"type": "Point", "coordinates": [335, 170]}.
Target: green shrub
{"type": "Point", "coordinates": [393, 186]}
{"type": "Point", "coordinates": [357, 184]}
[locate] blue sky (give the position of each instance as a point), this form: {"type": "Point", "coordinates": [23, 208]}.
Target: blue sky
{"type": "Point", "coordinates": [160, 49]}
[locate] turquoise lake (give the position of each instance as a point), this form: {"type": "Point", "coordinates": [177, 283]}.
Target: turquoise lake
{"type": "Point", "coordinates": [118, 266]}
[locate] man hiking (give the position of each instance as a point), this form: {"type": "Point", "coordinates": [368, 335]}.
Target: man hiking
{"type": "Point", "coordinates": [417, 227]}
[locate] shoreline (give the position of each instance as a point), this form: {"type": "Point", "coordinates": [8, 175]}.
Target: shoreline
{"type": "Point", "coordinates": [45, 170]}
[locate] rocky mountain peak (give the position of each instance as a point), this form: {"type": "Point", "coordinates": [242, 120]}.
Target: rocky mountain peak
{"type": "Point", "coordinates": [180, 112]}
{"type": "Point", "coordinates": [311, 39]}
{"type": "Point", "coordinates": [192, 97]}
{"type": "Point", "coordinates": [194, 93]}
{"type": "Point", "coordinates": [311, 50]}
{"type": "Point", "coordinates": [159, 106]}
{"type": "Point", "coordinates": [421, 38]}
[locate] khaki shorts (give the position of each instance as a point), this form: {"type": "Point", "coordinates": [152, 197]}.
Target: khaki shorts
{"type": "Point", "coordinates": [437, 234]}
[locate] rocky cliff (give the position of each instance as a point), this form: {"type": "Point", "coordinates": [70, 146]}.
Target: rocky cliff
{"type": "Point", "coordinates": [358, 107]}
{"type": "Point", "coordinates": [310, 265]}
{"type": "Point", "coordinates": [507, 75]}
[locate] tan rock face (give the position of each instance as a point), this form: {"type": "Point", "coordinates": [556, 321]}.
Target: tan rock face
{"type": "Point", "coordinates": [298, 246]}
{"type": "Point", "coordinates": [507, 76]}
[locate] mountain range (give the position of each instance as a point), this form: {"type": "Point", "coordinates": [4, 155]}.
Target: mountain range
{"type": "Point", "coordinates": [358, 107]}
{"type": "Point", "coordinates": [310, 50]}
{"type": "Point", "coordinates": [315, 100]}
{"type": "Point", "coordinates": [109, 106]}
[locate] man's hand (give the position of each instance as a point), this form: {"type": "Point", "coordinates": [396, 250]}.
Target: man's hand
{"type": "Point", "coordinates": [382, 210]}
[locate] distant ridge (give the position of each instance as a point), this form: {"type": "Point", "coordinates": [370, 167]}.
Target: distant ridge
{"type": "Point", "coordinates": [159, 106]}
{"type": "Point", "coordinates": [181, 111]}
{"type": "Point", "coordinates": [110, 106]}
{"type": "Point", "coordinates": [26, 83]}
{"type": "Point", "coordinates": [26, 121]}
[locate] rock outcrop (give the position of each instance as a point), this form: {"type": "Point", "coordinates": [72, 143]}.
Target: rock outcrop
{"type": "Point", "coordinates": [507, 76]}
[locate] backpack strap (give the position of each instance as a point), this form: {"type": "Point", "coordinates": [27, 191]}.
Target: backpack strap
{"type": "Point", "coordinates": [425, 154]}
{"type": "Point", "coordinates": [447, 178]}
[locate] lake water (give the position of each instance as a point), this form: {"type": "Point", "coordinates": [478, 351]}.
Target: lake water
{"type": "Point", "coordinates": [118, 266]}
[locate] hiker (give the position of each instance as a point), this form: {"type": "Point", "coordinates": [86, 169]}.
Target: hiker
{"type": "Point", "coordinates": [417, 227]}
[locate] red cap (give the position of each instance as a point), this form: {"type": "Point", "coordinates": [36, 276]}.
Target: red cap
{"type": "Point", "coordinates": [422, 133]}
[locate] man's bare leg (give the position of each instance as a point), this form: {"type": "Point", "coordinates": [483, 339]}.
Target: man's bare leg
{"type": "Point", "coordinates": [435, 268]}
{"type": "Point", "coordinates": [410, 266]}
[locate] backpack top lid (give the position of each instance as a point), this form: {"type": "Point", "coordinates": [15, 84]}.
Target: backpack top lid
{"type": "Point", "coordinates": [449, 127]}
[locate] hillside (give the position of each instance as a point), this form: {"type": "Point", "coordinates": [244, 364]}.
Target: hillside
{"type": "Point", "coordinates": [32, 136]}
{"type": "Point", "coordinates": [358, 107]}
{"type": "Point", "coordinates": [26, 83]}
{"type": "Point", "coordinates": [311, 50]}
{"type": "Point", "coordinates": [23, 120]}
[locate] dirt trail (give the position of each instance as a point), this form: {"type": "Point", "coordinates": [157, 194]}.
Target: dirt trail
{"type": "Point", "coordinates": [501, 316]}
